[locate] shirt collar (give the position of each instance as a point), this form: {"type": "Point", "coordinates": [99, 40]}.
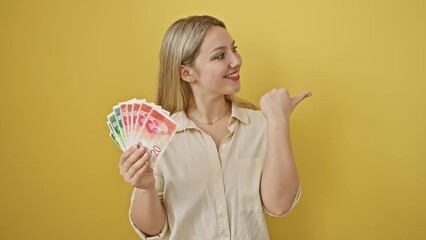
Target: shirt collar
{"type": "Point", "coordinates": [184, 122]}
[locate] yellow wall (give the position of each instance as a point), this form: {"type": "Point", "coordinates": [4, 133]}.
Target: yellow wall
{"type": "Point", "coordinates": [359, 141]}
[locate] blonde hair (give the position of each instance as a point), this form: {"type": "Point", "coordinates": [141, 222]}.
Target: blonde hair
{"type": "Point", "coordinates": [181, 45]}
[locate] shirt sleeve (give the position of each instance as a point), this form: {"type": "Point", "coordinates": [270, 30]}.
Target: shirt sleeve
{"type": "Point", "coordinates": [159, 185]}
{"type": "Point", "coordinates": [296, 199]}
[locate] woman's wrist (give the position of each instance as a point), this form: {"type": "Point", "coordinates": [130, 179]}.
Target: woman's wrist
{"type": "Point", "coordinates": [278, 122]}
{"type": "Point", "coordinates": [147, 190]}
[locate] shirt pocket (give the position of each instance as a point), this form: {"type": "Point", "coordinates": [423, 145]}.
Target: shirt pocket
{"type": "Point", "coordinates": [249, 173]}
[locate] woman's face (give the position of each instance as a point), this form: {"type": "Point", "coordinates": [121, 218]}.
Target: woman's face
{"type": "Point", "coordinates": [217, 66]}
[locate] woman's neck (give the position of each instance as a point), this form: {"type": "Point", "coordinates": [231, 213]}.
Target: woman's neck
{"type": "Point", "coordinates": [208, 111]}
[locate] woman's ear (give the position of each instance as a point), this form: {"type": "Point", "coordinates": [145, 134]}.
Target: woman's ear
{"type": "Point", "coordinates": [186, 74]}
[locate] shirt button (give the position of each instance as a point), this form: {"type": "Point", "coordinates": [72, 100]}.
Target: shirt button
{"type": "Point", "coordinates": [224, 146]}
{"type": "Point", "coordinates": [221, 204]}
{"type": "Point", "coordinates": [218, 172]}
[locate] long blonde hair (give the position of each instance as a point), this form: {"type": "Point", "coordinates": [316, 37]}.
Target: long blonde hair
{"type": "Point", "coordinates": [181, 45]}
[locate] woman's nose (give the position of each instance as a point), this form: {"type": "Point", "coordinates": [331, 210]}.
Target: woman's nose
{"type": "Point", "coordinates": [235, 60]}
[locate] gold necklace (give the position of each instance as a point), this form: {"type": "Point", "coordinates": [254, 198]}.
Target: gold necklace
{"type": "Point", "coordinates": [211, 122]}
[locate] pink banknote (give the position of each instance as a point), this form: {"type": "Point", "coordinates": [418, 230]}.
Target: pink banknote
{"type": "Point", "coordinates": [157, 132]}
{"type": "Point", "coordinates": [126, 113]}
{"type": "Point", "coordinates": [140, 122]}
{"type": "Point", "coordinates": [142, 117]}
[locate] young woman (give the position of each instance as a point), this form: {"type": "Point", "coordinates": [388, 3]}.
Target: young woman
{"type": "Point", "coordinates": [227, 163]}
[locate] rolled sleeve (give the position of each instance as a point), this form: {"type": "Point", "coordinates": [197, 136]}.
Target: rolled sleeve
{"type": "Point", "coordinates": [296, 199]}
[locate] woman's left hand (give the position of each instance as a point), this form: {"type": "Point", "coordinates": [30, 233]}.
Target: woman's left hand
{"type": "Point", "coordinates": [277, 105]}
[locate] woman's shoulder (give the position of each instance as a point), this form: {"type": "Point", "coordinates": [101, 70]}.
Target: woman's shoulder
{"type": "Point", "coordinates": [177, 115]}
{"type": "Point", "coordinates": [253, 112]}
{"type": "Point", "coordinates": [251, 116]}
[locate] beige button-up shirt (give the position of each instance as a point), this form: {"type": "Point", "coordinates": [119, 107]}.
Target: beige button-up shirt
{"type": "Point", "coordinates": [210, 193]}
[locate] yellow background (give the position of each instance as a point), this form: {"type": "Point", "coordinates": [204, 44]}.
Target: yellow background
{"type": "Point", "coordinates": [359, 142]}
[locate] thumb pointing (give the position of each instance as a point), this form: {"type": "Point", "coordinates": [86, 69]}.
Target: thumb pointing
{"type": "Point", "coordinates": [297, 99]}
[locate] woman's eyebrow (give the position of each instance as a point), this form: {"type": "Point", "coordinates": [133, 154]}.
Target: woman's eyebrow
{"type": "Point", "coordinates": [222, 47]}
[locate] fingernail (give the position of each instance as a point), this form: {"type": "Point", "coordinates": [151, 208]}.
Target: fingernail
{"type": "Point", "coordinates": [135, 147]}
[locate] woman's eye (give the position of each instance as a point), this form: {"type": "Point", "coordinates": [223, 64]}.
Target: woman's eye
{"type": "Point", "coordinates": [220, 56]}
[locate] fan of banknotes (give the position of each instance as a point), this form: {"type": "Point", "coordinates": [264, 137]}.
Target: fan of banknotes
{"type": "Point", "coordinates": [143, 123]}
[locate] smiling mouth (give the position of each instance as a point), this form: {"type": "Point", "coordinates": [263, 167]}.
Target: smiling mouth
{"type": "Point", "coordinates": [233, 76]}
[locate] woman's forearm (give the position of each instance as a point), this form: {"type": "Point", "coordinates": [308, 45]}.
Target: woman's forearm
{"type": "Point", "coordinates": [280, 182]}
{"type": "Point", "coordinates": [148, 212]}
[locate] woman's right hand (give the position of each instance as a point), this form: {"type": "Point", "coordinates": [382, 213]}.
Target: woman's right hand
{"type": "Point", "coordinates": [136, 169]}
